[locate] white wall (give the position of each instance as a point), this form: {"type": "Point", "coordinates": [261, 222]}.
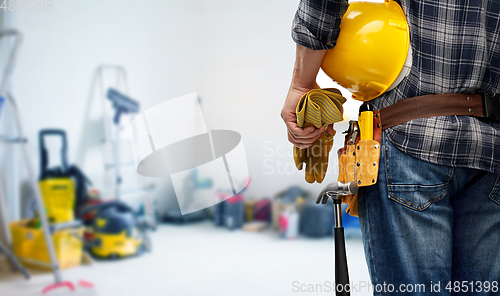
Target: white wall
{"type": "Point", "coordinates": [237, 55]}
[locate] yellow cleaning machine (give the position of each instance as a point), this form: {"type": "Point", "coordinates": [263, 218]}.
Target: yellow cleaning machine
{"type": "Point", "coordinates": [56, 185]}
{"type": "Point", "coordinates": [117, 231]}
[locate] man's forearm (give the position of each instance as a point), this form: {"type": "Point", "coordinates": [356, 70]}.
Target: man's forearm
{"type": "Point", "coordinates": [307, 64]}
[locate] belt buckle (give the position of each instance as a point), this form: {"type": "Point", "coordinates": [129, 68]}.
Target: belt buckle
{"type": "Point", "coordinates": [491, 105]}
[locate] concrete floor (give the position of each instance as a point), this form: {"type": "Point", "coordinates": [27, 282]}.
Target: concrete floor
{"type": "Point", "coordinates": [199, 259]}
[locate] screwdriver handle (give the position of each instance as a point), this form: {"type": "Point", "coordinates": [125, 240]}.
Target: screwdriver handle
{"type": "Point", "coordinates": [365, 120]}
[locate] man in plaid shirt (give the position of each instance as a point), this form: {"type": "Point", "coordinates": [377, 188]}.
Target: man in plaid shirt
{"type": "Point", "coordinates": [434, 215]}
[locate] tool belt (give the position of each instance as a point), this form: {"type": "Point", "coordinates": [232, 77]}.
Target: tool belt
{"type": "Point", "coordinates": [479, 105]}
{"type": "Point", "coordinates": [359, 158]}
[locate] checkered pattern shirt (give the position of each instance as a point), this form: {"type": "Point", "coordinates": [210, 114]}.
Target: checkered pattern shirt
{"type": "Point", "coordinates": [456, 49]}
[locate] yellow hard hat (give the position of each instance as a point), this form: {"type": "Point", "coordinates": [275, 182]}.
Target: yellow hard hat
{"type": "Point", "coordinates": [373, 52]}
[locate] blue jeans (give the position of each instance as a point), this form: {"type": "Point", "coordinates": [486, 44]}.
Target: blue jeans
{"type": "Point", "coordinates": [431, 225]}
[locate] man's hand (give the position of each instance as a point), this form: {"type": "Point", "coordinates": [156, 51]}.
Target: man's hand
{"type": "Point", "coordinates": [302, 138]}
{"type": "Point", "coordinates": [307, 64]}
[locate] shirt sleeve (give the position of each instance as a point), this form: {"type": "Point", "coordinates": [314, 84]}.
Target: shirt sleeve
{"type": "Point", "coordinates": [316, 23]}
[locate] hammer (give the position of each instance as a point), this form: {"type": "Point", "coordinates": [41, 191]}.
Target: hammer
{"type": "Point", "coordinates": [336, 190]}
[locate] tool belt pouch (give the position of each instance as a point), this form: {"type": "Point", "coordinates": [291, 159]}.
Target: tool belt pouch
{"type": "Point", "coordinates": [359, 162]}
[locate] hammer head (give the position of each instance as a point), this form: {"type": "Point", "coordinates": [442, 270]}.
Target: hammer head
{"type": "Point", "coordinates": [336, 190]}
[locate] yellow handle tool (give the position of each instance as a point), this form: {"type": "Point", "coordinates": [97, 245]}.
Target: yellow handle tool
{"type": "Point", "coordinates": [365, 120]}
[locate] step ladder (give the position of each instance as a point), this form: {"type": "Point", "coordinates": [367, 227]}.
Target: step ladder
{"type": "Point", "coordinates": [120, 179]}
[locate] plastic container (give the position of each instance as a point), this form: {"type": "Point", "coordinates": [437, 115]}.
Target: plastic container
{"type": "Point", "coordinates": [289, 223]}
{"type": "Point", "coordinates": [219, 213]}
{"type": "Point", "coordinates": [30, 248]}
{"type": "Point", "coordinates": [234, 212]}
{"type": "Point", "coordinates": [263, 210]}
{"type": "Point", "coordinates": [317, 220]}
{"type": "Point", "coordinates": [250, 210]}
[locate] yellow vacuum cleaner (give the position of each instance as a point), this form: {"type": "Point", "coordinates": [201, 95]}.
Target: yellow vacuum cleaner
{"type": "Point", "coordinates": [117, 232]}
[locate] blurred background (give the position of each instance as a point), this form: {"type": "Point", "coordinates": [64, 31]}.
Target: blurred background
{"type": "Point", "coordinates": [82, 71]}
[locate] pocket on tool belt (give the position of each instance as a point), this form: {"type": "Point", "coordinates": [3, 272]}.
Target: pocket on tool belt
{"type": "Point", "coordinates": [359, 158]}
{"type": "Point", "coordinates": [347, 173]}
{"type": "Point", "coordinates": [414, 183]}
{"type": "Point", "coordinates": [359, 163]}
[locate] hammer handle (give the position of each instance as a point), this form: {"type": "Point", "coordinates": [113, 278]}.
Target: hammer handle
{"type": "Point", "coordinates": [341, 271]}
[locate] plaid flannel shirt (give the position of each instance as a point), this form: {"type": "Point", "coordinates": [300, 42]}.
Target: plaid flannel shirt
{"type": "Point", "coordinates": [456, 49]}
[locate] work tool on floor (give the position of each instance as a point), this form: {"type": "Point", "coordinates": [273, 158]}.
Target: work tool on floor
{"type": "Point", "coordinates": [336, 190]}
{"type": "Point", "coordinates": [122, 105]}
{"type": "Point", "coordinates": [6, 75]}
{"type": "Point", "coordinates": [57, 187]}
{"type": "Point", "coordinates": [22, 141]}
{"type": "Point", "coordinates": [117, 231]}
{"type": "Point", "coordinates": [109, 111]}
{"type": "Point", "coordinates": [230, 212]}
{"type": "Point", "coordinates": [6, 250]}
{"type": "Point", "coordinates": [41, 209]}
{"type": "Point", "coordinates": [44, 223]}
{"type": "Point", "coordinates": [64, 187]}
{"type": "Point", "coordinates": [10, 41]}
{"type": "Point", "coordinates": [316, 220]}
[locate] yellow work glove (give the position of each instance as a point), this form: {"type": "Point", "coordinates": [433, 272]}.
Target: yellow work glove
{"type": "Point", "coordinates": [318, 107]}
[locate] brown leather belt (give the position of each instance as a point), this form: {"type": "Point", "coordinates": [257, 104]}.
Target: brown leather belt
{"type": "Point", "coordinates": [480, 105]}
